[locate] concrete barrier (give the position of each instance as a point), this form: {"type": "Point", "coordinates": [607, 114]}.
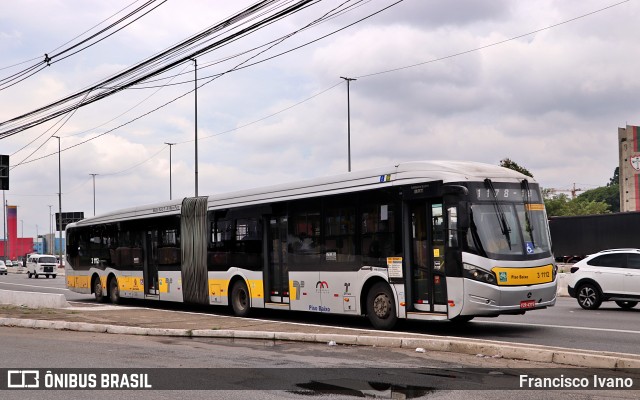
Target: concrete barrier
{"type": "Point", "coordinates": [562, 285]}
{"type": "Point", "coordinates": [33, 299]}
{"type": "Point", "coordinates": [23, 270]}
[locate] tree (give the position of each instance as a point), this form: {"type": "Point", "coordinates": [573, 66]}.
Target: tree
{"type": "Point", "coordinates": [556, 205]}
{"type": "Point", "coordinates": [561, 205]}
{"type": "Point", "coordinates": [615, 180]}
{"type": "Point", "coordinates": [609, 195]}
{"type": "Point", "coordinates": [507, 163]}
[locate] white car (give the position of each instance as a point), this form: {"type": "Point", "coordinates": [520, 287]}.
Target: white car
{"type": "Point", "coordinates": [610, 275]}
{"type": "Point", "coordinates": [3, 268]}
{"type": "Point", "coordinates": [41, 264]}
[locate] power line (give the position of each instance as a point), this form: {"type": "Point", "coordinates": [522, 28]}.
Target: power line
{"type": "Point", "coordinates": [361, 76]}
{"type": "Point", "coordinates": [495, 43]}
{"type": "Point", "coordinates": [137, 73]}
{"type": "Point", "coordinates": [52, 58]}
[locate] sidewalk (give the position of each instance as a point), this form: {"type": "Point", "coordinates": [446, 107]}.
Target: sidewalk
{"type": "Point", "coordinates": [133, 320]}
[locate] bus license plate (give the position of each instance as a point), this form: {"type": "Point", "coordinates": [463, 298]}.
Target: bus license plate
{"type": "Point", "coordinates": [528, 304]}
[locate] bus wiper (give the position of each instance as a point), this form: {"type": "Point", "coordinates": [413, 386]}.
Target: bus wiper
{"type": "Point", "coordinates": [476, 238]}
{"type": "Point", "coordinates": [502, 220]}
{"type": "Point", "coordinates": [527, 209]}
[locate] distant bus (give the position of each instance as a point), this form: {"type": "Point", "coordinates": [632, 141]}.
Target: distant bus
{"type": "Point", "coordinates": [421, 240]}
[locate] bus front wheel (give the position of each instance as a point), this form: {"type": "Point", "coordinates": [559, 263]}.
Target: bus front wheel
{"type": "Point", "coordinates": [114, 291]}
{"type": "Point", "coordinates": [240, 299]}
{"type": "Point", "coordinates": [381, 307]}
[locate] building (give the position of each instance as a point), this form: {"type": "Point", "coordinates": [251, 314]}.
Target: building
{"type": "Point", "coordinates": [52, 244]}
{"type": "Point", "coordinates": [16, 247]}
{"type": "Point", "coordinates": [629, 156]}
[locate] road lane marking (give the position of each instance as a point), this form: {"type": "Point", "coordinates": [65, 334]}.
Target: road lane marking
{"type": "Point", "coordinates": [561, 327]}
{"type": "Point", "coordinates": [33, 286]}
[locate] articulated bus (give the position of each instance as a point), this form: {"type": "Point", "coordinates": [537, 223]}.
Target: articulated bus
{"type": "Point", "coordinates": [421, 240]}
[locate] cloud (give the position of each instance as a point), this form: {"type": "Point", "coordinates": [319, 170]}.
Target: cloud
{"type": "Point", "coordinates": [551, 101]}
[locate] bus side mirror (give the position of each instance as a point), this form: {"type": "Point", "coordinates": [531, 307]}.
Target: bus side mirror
{"type": "Point", "coordinates": [456, 196]}
{"type": "Point", "coordinates": [463, 215]}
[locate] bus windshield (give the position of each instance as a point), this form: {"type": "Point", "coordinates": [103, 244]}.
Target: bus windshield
{"type": "Point", "coordinates": [523, 234]}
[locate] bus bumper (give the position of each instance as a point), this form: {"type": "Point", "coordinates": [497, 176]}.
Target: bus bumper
{"type": "Point", "coordinates": [484, 299]}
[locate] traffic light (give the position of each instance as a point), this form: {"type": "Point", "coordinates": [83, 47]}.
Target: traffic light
{"type": "Point", "coordinates": [4, 172]}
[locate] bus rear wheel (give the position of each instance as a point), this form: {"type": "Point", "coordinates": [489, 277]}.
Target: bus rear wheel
{"type": "Point", "coordinates": [381, 307]}
{"type": "Point", "coordinates": [240, 299]}
{"type": "Point", "coordinates": [114, 291]}
{"type": "Point", "coordinates": [97, 290]}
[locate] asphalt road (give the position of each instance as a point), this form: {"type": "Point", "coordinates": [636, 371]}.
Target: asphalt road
{"type": "Point", "coordinates": [565, 325]}
{"type": "Point", "coordinates": [272, 371]}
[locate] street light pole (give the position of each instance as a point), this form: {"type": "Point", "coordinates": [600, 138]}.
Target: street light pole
{"type": "Point", "coordinates": [348, 120]}
{"type": "Point", "coordinates": [94, 193]}
{"type": "Point", "coordinates": [53, 238]}
{"type": "Point", "coordinates": [59, 199]}
{"type": "Point", "coordinates": [195, 70]}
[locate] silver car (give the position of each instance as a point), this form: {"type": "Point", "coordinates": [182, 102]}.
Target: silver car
{"type": "Point", "coordinates": [3, 268]}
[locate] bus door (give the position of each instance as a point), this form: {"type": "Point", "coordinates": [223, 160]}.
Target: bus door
{"type": "Point", "coordinates": [277, 277]}
{"type": "Point", "coordinates": [151, 263]}
{"type": "Point", "coordinates": [427, 235]}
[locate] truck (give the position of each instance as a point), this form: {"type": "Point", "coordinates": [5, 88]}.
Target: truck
{"type": "Point", "coordinates": [573, 238]}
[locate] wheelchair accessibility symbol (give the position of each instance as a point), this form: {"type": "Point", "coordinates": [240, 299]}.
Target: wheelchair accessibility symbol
{"type": "Point", "coordinates": [529, 248]}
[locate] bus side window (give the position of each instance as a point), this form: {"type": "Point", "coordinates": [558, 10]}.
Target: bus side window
{"type": "Point", "coordinates": [452, 230]}
{"type": "Point", "coordinates": [377, 238]}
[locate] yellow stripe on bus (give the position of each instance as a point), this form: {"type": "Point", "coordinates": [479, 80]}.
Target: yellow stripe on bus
{"type": "Point", "coordinates": [131, 283]}
{"type": "Point", "coordinates": [523, 276]}
{"type": "Point", "coordinates": [74, 281]}
{"type": "Point", "coordinates": [219, 287]}
{"type": "Point", "coordinates": [256, 288]}
{"type": "Point", "coordinates": [535, 207]}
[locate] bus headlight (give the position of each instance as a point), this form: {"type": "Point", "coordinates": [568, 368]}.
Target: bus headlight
{"type": "Point", "coordinates": [478, 274]}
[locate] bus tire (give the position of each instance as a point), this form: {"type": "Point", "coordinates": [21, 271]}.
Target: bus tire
{"type": "Point", "coordinates": [240, 299]}
{"type": "Point", "coordinates": [381, 307]}
{"type": "Point", "coordinates": [53, 276]}
{"type": "Point", "coordinates": [97, 291]}
{"type": "Point", "coordinates": [114, 291]}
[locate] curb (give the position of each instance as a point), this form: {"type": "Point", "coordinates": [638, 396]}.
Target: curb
{"type": "Point", "coordinates": [492, 349]}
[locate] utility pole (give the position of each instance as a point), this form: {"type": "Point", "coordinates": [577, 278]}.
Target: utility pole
{"type": "Point", "coordinates": [348, 121]}
{"type": "Point", "coordinates": [94, 193]}
{"type": "Point", "coordinates": [170, 193]}
{"type": "Point", "coordinates": [59, 200]}
{"type": "Point", "coordinates": [195, 70]}
{"type": "Point", "coordinates": [51, 235]}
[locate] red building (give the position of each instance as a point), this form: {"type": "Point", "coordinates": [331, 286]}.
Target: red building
{"type": "Point", "coordinates": [17, 247]}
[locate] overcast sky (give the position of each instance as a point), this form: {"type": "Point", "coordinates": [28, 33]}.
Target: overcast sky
{"type": "Point", "coordinates": [551, 101]}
